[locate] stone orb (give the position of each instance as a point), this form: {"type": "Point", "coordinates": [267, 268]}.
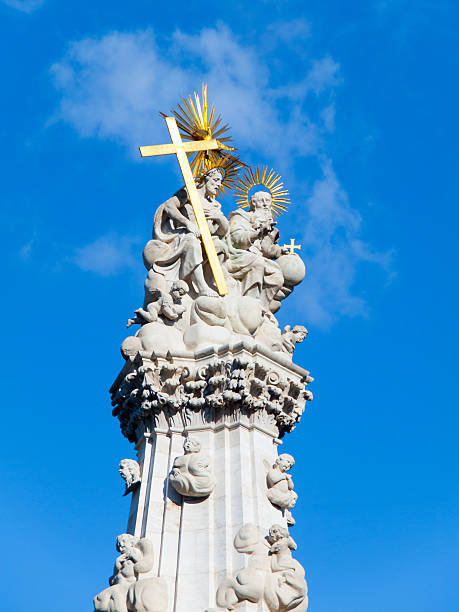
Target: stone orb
{"type": "Point", "coordinates": [293, 269]}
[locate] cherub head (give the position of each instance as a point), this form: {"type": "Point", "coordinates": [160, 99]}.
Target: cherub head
{"type": "Point", "coordinates": [178, 290]}
{"type": "Point", "coordinates": [276, 533]}
{"type": "Point", "coordinates": [284, 462]}
{"type": "Point", "coordinates": [300, 332]}
{"type": "Point", "coordinates": [125, 541]}
{"type": "Point", "coordinates": [191, 445]}
{"type": "Point", "coordinates": [130, 471]}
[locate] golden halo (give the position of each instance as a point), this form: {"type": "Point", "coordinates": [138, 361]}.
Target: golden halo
{"type": "Point", "coordinates": [270, 180]}
{"type": "Point", "coordinates": [197, 122]}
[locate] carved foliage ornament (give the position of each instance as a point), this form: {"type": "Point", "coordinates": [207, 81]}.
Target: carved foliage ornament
{"type": "Point", "coordinates": [232, 384]}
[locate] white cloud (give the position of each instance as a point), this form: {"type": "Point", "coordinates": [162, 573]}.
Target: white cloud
{"type": "Point", "coordinates": [108, 255]}
{"type": "Point", "coordinates": [112, 87]}
{"type": "Point", "coordinates": [26, 6]}
{"type": "Point", "coordinates": [334, 251]}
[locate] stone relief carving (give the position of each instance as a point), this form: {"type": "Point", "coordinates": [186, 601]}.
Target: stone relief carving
{"type": "Point", "coordinates": [128, 591]}
{"type": "Point", "coordinates": [181, 307]}
{"type": "Point", "coordinates": [233, 385]}
{"type": "Point", "coordinates": [280, 486]}
{"type": "Point", "coordinates": [129, 470]}
{"type": "Point", "coordinates": [157, 303]}
{"type": "Point", "coordinates": [271, 575]}
{"type": "Point", "coordinates": [192, 473]}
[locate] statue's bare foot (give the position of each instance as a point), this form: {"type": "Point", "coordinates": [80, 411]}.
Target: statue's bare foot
{"type": "Point", "coordinates": [130, 322]}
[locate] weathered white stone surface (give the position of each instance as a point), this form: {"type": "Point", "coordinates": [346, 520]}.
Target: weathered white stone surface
{"type": "Point", "coordinates": [192, 474]}
{"type": "Point", "coordinates": [129, 471]}
{"type": "Point", "coordinates": [280, 485]}
{"type": "Point", "coordinates": [207, 391]}
{"type": "Point", "coordinates": [131, 588]}
{"type": "Point", "coordinates": [181, 307]}
{"type": "Point", "coordinates": [271, 577]}
{"type": "Point", "coordinates": [236, 402]}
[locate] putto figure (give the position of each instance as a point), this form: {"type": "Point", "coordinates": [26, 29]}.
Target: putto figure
{"type": "Point", "coordinates": [129, 470]}
{"type": "Point", "coordinates": [192, 473]}
{"type": "Point", "coordinates": [280, 486]}
{"type": "Point", "coordinates": [292, 336]}
{"type": "Point", "coordinates": [128, 591]}
{"type": "Point", "coordinates": [157, 303]}
{"type": "Point", "coordinates": [271, 575]}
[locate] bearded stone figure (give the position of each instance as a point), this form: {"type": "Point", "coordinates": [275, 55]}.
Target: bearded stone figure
{"type": "Point", "coordinates": [253, 250]}
{"type": "Point", "coordinates": [129, 470]}
{"type": "Point", "coordinates": [192, 473]}
{"type": "Point", "coordinates": [176, 250]}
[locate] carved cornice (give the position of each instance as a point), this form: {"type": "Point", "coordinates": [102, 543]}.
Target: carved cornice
{"type": "Point", "coordinates": [243, 383]}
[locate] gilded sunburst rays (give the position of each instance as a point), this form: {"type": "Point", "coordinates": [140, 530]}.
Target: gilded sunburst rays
{"type": "Point", "coordinates": [196, 121]}
{"type": "Point", "coordinates": [266, 178]}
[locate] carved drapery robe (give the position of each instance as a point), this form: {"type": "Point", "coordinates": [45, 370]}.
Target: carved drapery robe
{"type": "Point", "coordinates": [259, 276]}
{"type": "Point", "coordinates": [175, 251]}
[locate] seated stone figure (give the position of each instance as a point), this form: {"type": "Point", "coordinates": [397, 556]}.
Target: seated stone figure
{"type": "Point", "coordinates": [176, 250]}
{"type": "Point", "coordinates": [128, 591]}
{"type": "Point", "coordinates": [287, 589]}
{"type": "Point", "coordinates": [192, 474]}
{"type": "Point", "coordinates": [253, 249]}
{"type": "Point", "coordinates": [280, 485]}
{"type": "Point", "coordinates": [248, 583]}
{"type": "Point", "coordinates": [272, 576]}
{"type": "Point", "coordinates": [113, 599]}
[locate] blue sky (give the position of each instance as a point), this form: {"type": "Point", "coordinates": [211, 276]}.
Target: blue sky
{"type": "Point", "coordinates": [355, 104]}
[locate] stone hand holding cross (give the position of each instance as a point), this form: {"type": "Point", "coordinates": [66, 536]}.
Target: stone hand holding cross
{"type": "Point", "coordinates": [180, 149]}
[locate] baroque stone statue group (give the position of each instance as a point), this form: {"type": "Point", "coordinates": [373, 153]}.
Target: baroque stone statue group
{"type": "Point", "coordinates": [181, 307]}
{"type": "Point", "coordinates": [207, 392]}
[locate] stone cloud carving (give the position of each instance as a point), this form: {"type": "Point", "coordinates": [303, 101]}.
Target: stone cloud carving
{"type": "Point", "coordinates": [129, 470]}
{"type": "Point", "coordinates": [192, 473]}
{"type": "Point", "coordinates": [280, 485]}
{"type": "Point", "coordinates": [272, 575]}
{"type": "Point", "coordinates": [128, 591]}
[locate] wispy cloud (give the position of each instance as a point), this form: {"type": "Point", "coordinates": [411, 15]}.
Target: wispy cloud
{"type": "Point", "coordinates": [111, 87]}
{"type": "Point", "coordinates": [334, 250]}
{"type": "Point", "coordinates": [25, 6]}
{"type": "Point", "coordinates": [108, 255]}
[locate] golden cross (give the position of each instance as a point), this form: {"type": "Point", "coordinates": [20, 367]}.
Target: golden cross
{"type": "Point", "coordinates": [180, 149]}
{"type": "Point", "coordinates": [292, 246]}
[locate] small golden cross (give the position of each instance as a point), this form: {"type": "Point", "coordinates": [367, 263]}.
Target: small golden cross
{"type": "Point", "coordinates": [180, 149]}
{"type": "Point", "coordinates": [292, 246]}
